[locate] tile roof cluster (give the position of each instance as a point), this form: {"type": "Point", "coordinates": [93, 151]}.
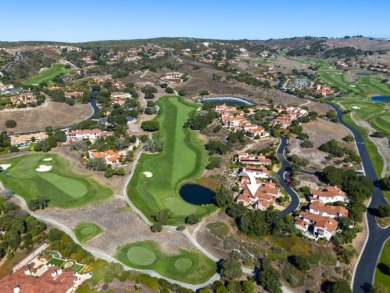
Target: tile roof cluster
{"type": "Point", "coordinates": [327, 223]}
{"type": "Point", "coordinates": [324, 90]}
{"type": "Point", "coordinates": [110, 156]}
{"type": "Point", "coordinates": [54, 280]}
{"type": "Point", "coordinates": [332, 211]}
{"type": "Point", "coordinates": [244, 157]}
{"type": "Point", "coordinates": [331, 193]}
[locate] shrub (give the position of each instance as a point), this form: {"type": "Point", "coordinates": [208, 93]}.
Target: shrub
{"type": "Point", "coordinates": [150, 125]}
{"type": "Point", "coordinates": [192, 219]}
{"type": "Point", "coordinates": [156, 227]}
{"type": "Point", "coordinates": [383, 211]}
{"type": "Point", "coordinates": [169, 90]}
{"type": "Point", "coordinates": [214, 162]}
{"type": "Point", "coordinates": [10, 123]}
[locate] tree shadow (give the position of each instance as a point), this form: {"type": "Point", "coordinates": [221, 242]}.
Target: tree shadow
{"type": "Point", "coordinates": [383, 268]}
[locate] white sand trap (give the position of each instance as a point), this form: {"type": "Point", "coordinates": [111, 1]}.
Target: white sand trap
{"type": "Point", "coordinates": [48, 159]}
{"type": "Point", "coordinates": [43, 168]}
{"type": "Point", "coordinates": [5, 166]}
{"type": "Point", "coordinates": [148, 174]}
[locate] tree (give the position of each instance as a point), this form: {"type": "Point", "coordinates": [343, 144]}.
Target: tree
{"type": "Point", "coordinates": [153, 146]}
{"type": "Point", "coordinates": [204, 93]}
{"type": "Point", "coordinates": [169, 90]}
{"type": "Point", "coordinates": [163, 216]}
{"type": "Point", "coordinates": [156, 227]}
{"type": "Point", "coordinates": [182, 93]}
{"type": "Point", "coordinates": [299, 261]}
{"type": "Point", "coordinates": [150, 125]}
{"type": "Point", "coordinates": [349, 138]}
{"type": "Point", "coordinates": [224, 197]}
{"type": "Point", "coordinates": [270, 278]}
{"type": "Point", "coordinates": [231, 269]}
{"type": "Point", "coordinates": [10, 123]}
{"type": "Point", "coordinates": [97, 164]}
{"type": "Point", "coordinates": [383, 211]}
{"type": "Point", "coordinates": [385, 182]}
{"type": "Point", "coordinates": [192, 219]}
{"type": "Point", "coordinates": [248, 286]}
{"type": "Point", "coordinates": [214, 162]}
{"type": "Point", "coordinates": [339, 286]}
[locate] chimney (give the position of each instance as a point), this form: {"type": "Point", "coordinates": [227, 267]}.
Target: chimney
{"type": "Point", "coordinates": [17, 289]}
{"type": "Point", "coordinates": [54, 274]}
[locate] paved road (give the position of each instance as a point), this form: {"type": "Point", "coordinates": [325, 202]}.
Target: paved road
{"type": "Point", "coordinates": [18, 57]}
{"type": "Point", "coordinates": [365, 268]}
{"type": "Point", "coordinates": [294, 204]}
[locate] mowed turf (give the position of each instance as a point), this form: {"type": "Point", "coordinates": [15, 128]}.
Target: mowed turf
{"type": "Point", "coordinates": [48, 75]}
{"type": "Point", "coordinates": [188, 266]}
{"type": "Point", "coordinates": [87, 231]}
{"type": "Point", "coordinates": [61, 186]}
{"type": "Point", "coordinates": [381, 122]}
{"type": "Point", "coordinates": [183, 158]}
{"type": "Point", "coordinates": [381, 278]}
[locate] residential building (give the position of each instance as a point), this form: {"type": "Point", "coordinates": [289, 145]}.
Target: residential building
{"type": "Point", "coordinates": [328, 195]}
{"type": "Point", "coordinates": [336, 212]}
{"type": "Point", "coordinates": [171, 77]}
{"type": "Point", "coordinates": [87, 134]}
{"type": "Point", "coordinates": [23, 140]}
{"type": "Point", "coordinates": [73, 95]}
{"type": "Point", "coordinates": [324, 90]}
{"type": "Point", "coordinates": [244, 157]}
{"type": "Point", "coordinates": [119, 98]}
{"type": "Point", "coordinates": [22, 98]}
{"type": "Point", "coordinates": [111, 157]}
{"type": "Point", "coordinates": [316, 226]}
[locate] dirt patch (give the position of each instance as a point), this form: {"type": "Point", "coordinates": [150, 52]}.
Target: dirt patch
{"type": "Point", "coordinates": [319, 131]}
{"type": "Point", "coordinates": [55, 114]}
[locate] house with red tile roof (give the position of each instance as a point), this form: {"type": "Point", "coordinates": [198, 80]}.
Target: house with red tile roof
{"type": "Point", "coordinates": [328, 195]}
{"type": "Point", "coordinates": [322, 227]}
{"type": "Point", "coordinates": [73, 95]}
{"type": "Point", "coordinates": [284, 121]}
{"type": "Point", "coordinates": [22, 98]}
{"type": "Point", "coordinates": [336, 212]}
{"type": "Point", "coordinates": [257, 171]}
{"type": "Point", "coordinates": [324, 90]}
{"type": "Point", "coordinates": [245, 158]}
{"type": "Point", "coordinates": [54, 280]}
{"type": "Point", "coordinates": [111, 157]}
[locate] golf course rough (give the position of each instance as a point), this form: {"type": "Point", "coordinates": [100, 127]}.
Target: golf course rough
{"type": "Point", "coordinates": [60, 185]}
{"type": "Point", "coordinates": [86, 231]}
{"type": "Point", "coordinates": [183, 158]}
{"type": "Point", "coordinates": [185, 266]}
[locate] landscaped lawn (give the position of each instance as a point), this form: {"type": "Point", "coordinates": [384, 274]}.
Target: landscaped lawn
{"type": "Point", "coordinates": [187, 266]}
{"type": "Point", "coordinates": [366, 110]}
{"type": "Point", "coordinates": [87, 231]}
{"type": "Point", "coordinates": [183, 158]}
{"type": "Point", "coordinates": [56, 261]}
{"type": "Point", "coordinates": [382, 279]}
{"type": "Point", "coordinates": [60, 185]}
{"type": "Point", "coordinates": [48, 75]}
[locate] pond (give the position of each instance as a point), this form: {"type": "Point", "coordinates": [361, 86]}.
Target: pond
{"type": "Point", "coordinates": [228, 100]}
{"type": "Point", "coordinates": [380, 99]}
{"type": "Point", "coordinates": [362, 74]}
{"type": "Point", "coordinates": [196, 194]}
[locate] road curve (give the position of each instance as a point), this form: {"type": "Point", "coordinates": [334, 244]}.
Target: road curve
{"type": "Point", "coordinates": [364, 270]}
{"type": "Point", "coordinates": [294, 204]}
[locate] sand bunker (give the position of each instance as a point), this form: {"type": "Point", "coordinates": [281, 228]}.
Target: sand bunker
{"type": "Point", "coordinates": [5, 166]}
{"type": "Point", "coordinates": [43, 168]}
{"type": "Point", "coordinates": [48, 159]}
{"type": "Point", "coordinates": [148, 174]}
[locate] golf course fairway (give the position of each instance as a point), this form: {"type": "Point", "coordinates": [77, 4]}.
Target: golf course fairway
{"type": "Point", "coordinates": [61, 186]}
{"type": "Point", "coordinates": [183, 158]}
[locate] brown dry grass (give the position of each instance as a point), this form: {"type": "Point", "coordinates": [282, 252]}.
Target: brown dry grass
{"type": "Point", "coordinates": [319, 131]}
{"type": "Point", "coordinates": [54, 114]}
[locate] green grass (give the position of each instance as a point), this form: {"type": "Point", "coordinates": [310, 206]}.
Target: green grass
{"type": "Point", "coordinates": [76, 267]}
{"type": "Point", "coordinates": [183, 158]}
{"type": "Point", "coordinates": [48, 75]}
{"type": "Point", "coordinates": [56, 261]}
{"type": "Point", "coordinates": [382, 279]}
{"type": "Point", "coordinates": [60, 185]}
{"type": "Point", "coordinates": [381, 122]}
{"type": "Point", "coordinates": [188, 266]}
{"type": "Point", "coordinates": [87, 231]}
{"type": "Point", "coordinates": [366, 110]}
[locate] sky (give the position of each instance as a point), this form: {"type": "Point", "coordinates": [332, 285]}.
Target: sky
{"type": "Point", "coordinates": [86, 20]}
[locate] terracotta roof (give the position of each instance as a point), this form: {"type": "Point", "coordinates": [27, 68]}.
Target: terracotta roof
{"type": "Point", "coordinates": [327, 223]}
{"type": "Point", "coordinates": [335, 210]}
{"type": "Point", "coordinates": [45, 283]}
{"type": "Point", "coordinates": [330, 191]}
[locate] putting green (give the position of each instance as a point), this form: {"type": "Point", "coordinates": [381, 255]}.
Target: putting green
{"type": "Point", "coordinates": [61, 185]}
{"type": "Point", "coordinates": [183, 158]}
{"type": "Point", "coordinates": [87, 231]}
{"type": "Point", "coordinates": [49, 74]}
{"type": "Point", "coordinates": [141, 256]}
{"type": "Point", "coordinates": [183, 264]}
{"type": "Point", "coordinates": [186, 266]}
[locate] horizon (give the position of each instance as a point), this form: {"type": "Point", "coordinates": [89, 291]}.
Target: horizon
{"type": "Point", "coordinates": [220, 20]}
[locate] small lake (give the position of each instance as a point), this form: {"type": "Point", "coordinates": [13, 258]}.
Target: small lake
{"type": "Point", "coordinates": [380, 99]}
{"type": "Point", "coordinates": [196, 194]}
{"type": "Point", "coordinates": [230, 101]}
{"type": "Point", "coordinates": [362, 74]}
